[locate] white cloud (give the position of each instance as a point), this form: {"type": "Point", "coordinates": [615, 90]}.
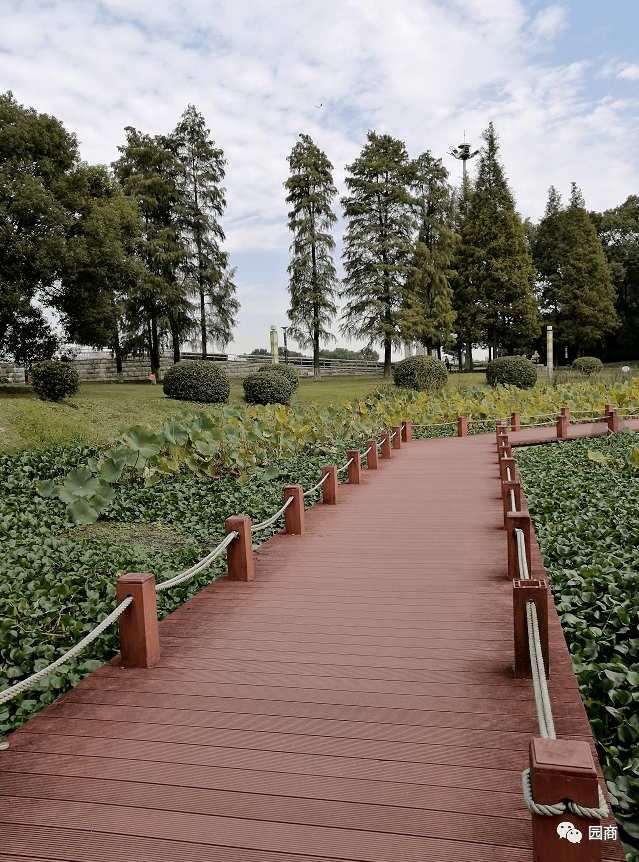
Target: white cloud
{"type": "Point", "coordinates": [630, 71]}
{"type": "Point", "coordinates": [422, 70]}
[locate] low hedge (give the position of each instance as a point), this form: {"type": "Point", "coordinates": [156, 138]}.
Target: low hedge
{"type": "Point", "coordinates": [513, 370]}
{"type": "Point", "coordinates": [197, 380]}
{"type": "Point", "coordinates": [286, 371]}
{"type": "Point", "coordinates": [423, 373]}
{"type": "Point", "coordinates": [587, 365]}
{"type": "Point", "coordinates": [53, 380]}
{"type": "Point", "coordinates": [267, 387]}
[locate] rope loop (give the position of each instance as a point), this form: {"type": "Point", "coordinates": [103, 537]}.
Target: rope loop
{"type": "Point", "coordinates": [345, 466]}
{"type": "Point", "coordinates": [563, 805]}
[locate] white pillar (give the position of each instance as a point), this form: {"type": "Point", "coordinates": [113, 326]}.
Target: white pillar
{"type": "Point", "coordinates": [274, 356]}
{"type": "Point", "coordinates": [549, 356]}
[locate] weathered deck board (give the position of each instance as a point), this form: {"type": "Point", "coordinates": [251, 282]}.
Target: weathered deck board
{"type": "Point", "coordinates": [353, 702]}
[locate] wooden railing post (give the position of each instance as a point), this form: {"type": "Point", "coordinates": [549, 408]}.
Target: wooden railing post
{"type": "Point", "coordinates": [612, 419]}
{"type": "Point", "coordinates": [397, 436]}
{"type": "Point", "coordinates": [563, 421]}
{"type": "Point", "coordinates": [371, 458]}
{"type": "Point", "coordinates": [139, 638]}
{"type": "Point", "coordinates": [294, 514]}
{"type": "Point", "coordinates": [505, 464]}
{"type": "Point", "coordinates": [515, 422]}
{"type": "Point", "coordinates": [462, 426]}
{"type": "Point", "coordinates": [407, 431]}
{"type": "Point", "coordinates": [354, 468]}
{"type": "Point", "coordinates": [386, 445]}
{"type": "Point", "coordinates": [507, 486]}
{"type": "Point", "coordinates": [239, 553]}
{"type": "Point", "coordinates": [329, 488]}
{"type": "Point", "coordinates": [563, 769]}
{"type": "Point", "coordinates": [523, 592]}
{"type": "Point", "coordinates": [517, 521]}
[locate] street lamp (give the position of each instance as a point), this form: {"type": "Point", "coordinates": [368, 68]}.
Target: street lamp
{"type": "Point", "coordinates": [285, 330]}
{"type": "Point", "coordinates": [463, 153]}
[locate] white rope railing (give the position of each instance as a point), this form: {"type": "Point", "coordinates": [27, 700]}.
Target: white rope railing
{"type": "Point", "coordinates": [370, 448]}
{"type": "Point", "coordinates": [513, 504]}
{"type": "Point", "coordinates": [316, 487]}
{"type": "Point", "coordinates": [345, 466]}
{"type": "Point", "coordinates": [198, 567]}
{"type": "Point", "coordinates": [255, 528]}
{"type": "Point", "coordinates": [393, 434]}
{"type": "Point", "coordinates": [19, 687]}
{"type": "Point", "coordinates": [544, 709]}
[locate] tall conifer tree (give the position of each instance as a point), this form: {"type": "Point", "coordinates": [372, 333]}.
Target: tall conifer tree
{"type": "Point", "coordinates": [428, 315]}
{"type": "Point", "coordinates": [379, 242]}
{"type": "Point", "coordinates": [313, 280]}
{"type": "Point", "coordinates": [578, 296]}
{"type": "Point", "coordinates": [202, 171]}
{"type": "Point", "coordinates": [493, 262]}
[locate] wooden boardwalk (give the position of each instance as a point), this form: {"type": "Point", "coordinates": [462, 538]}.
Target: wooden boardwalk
{"type": "Point", "coordinates": [354, 701]}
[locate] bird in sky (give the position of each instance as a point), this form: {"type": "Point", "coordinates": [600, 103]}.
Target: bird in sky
{"type": "Point", "coordinates": [320, 105]}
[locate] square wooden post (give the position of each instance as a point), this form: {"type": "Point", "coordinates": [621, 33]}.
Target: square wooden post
{"type": "Point", "coordinates": [397, 438]}
{"type": "Point", "coordinates": [386, 445]}
{"type": "Point", "coordinates": [371, 458]}
{"type": "Point", "coordinates": [407, 431]}
{"type": "Point", "coordinates": [523, 592]}
{"type": "Point", "coordinates": [563, 421]}
{"type": "Point", "coordinates": [515, 422]}
{"type": "Point", "coordinates": [612, 419]}
{"type": "Point", "coordinates": [239, 553]}
{"type": "Point", "coordinates": [294, 515]}
{"type": "Point", "coordinates": [505, 464]}
{"type": "Point", "coordinates": [354, 468]}
{"type": "Point", "coordinates": [139, 638]}
{"type": "Point", "coordinates": [462, 426]}
{"type": "Point", "coordinates": [517, 521]}
{"type": "Point", "coordinates": [506, 487]}
{"type": "Point", "coordinates": [563, 769]}
{"type": "Point", "coordinates": [329, 488]}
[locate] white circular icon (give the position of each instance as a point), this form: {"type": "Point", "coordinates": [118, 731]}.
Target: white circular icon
{"type": "Point", "coordinates": [569, 831]}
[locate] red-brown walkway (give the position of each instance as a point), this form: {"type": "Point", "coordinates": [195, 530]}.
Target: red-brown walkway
{"type": "Point", "coordinates": [353, 702]}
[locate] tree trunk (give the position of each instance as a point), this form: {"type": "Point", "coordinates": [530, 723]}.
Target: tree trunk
{"type": "Point", "coordinates": [387, 357]}
{"type": "Point", "coordinates": [469, 356]}
{"type": "Point", "coordinates": [117, 349]}
{"type": "Point", "coordinates": [203, 323]}
{"type": "Point", "coordinates": [317, 376]}
{"type": "Point", "coordinates": [155, 346]}
{"type": "Point", "coordinates": [175, 338]}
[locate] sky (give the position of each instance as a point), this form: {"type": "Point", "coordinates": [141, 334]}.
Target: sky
{"type": "Point", "coordinates": [560, 82]}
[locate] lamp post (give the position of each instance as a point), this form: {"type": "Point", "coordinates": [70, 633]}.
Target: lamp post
{"type": "Point", "coordinates": [549, 356]}
{"type": "Point", "coordinates": [285, 330]}
{"type": "Point", "coordinates": [274, 356]}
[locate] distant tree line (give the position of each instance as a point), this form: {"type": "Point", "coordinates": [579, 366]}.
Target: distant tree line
{"type": "Point", "coordinates": [129, 256]}
{"type": "Point", "coordinates": [451, 268]}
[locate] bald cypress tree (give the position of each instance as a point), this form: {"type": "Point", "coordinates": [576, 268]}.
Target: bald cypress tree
{"type": "Point", "coordinates": [379, 242]}
{"type": "Point", "coordinates": [313, 280]}
{"type": "Point", "coordinates": [428, 314]}
{"type": "Point", "coordinates": [493, 262]}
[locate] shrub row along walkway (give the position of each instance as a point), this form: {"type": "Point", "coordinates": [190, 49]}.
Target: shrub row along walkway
{"type": "Point", "coordinates": [354, 701]}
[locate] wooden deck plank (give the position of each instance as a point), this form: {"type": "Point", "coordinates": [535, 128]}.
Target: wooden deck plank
{"type": "Point", "coordinates": [354, 701]}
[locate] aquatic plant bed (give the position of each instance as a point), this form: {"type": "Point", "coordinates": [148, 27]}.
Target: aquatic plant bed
{"type": "Point", "coordinates": [583, 498]}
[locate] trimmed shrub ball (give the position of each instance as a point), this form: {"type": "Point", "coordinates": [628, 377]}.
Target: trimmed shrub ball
{"type": "Point", "coordinates": [267, 387]}
{"type": "Point", "coordinates": [52, 380]}
{"type": "Point", "coordinates": [587, 365]}
{"type": "Point", "coordinates": [196, 380]}
{"type": "Point", "coordinates": [423, 373]}
{"type": "Point", "coordinates": [513, 370]}
{"type": "Point", "coordinates": [286, 371]}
